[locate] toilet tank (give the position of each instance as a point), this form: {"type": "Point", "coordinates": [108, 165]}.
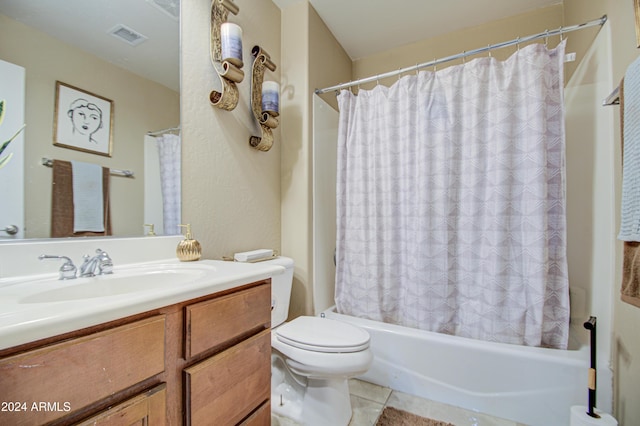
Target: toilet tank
{"type": "Point", "coordinates": [281, 290]}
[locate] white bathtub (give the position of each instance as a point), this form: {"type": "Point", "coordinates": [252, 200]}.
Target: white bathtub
{"type": "Point", "coordinates": [534, 386]}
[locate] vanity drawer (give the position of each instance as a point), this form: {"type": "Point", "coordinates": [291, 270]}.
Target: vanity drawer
{"type": "Point", "coordinates": [213, 323]}
{"type": "Point", "coordinates": [260, 417]}
{"type": "Point", "coordinates": [227, 387]}
{"type": "Point", "coordinates": [75, 373]}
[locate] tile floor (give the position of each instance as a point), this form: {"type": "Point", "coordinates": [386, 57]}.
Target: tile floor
{"type": "Point", "coordinates": [368, 401]}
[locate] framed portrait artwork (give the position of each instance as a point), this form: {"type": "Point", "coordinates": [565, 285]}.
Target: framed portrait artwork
{"type": "Point", "coordinates": [636, 10]}
{"type": "Point", "coordinates": [82, 120]}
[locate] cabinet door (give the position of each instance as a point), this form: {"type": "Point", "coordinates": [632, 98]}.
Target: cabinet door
{"type": "Point", "coordinates": [260, 417]}
{"type": "Point", "coordinates": [224, 389]}
{"type": "Point", "coordinates": [148, 409]}
{"type": "Point", "coordinates": [75, 373]}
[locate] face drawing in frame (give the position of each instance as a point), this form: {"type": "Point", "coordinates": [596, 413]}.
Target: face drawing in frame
{"type": "Point", "coordinates": [84, 121]}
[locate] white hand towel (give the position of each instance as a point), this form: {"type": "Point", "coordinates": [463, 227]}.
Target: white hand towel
{"type": "Point", "coordinates": [88, 206]}
{"type": "Point", "coordinates": [630, 209]}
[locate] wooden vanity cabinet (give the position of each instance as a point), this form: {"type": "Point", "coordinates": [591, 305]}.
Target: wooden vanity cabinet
{"type": "Point", "coordinates": [149, 408]}
{"type": "Point", "coordinates": [230, 384]}
{"type": "Point", "coordinates": [48, 383]}
{"type": "Point", "coordinates": [200, 362]}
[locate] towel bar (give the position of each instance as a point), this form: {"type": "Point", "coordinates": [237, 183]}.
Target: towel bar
{"type": "Point", "coordinates": [126, 173]}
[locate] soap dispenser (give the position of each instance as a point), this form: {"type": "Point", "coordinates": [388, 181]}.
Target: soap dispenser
{"type": "Point", "coordinates": [151, 232]}
{"type": "Point", "coordinates": [188, 249]}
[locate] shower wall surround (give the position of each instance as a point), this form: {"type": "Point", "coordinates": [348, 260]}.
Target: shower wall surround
{"type": "Point", "coordinates": [590, 195]}
{"type": "Point", "coordinates": [622, 334]}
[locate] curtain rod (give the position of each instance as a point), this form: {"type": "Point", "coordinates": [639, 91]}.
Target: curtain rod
{"type": "Point", "coordinates": [126, 173]}
{"type": "Point", "coordinates": [558, 31]}
{"type": "Point", "coordinates": [163, 131]}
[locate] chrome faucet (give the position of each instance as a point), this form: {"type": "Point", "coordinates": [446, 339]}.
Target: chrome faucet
{"type": "Point", "coordinates": [100, 264]}
{"type": "Point", "coordinates": [67, 270]}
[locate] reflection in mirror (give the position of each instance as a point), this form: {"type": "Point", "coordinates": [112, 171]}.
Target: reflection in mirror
{"type": "Point", "coordinates": [126, 51]}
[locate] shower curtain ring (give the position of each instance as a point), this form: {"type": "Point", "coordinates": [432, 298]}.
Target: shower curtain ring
{"type": "Point", "coordinates": [489, 48]}
{"type": "Point", "coordinates": [561, 38]}
{"type": "Point", "coordinates": [518, 44]}
{"type": "Point", "coordinates": [435, 67]}
{"type": "Point", "coordinates": [464, 56]}
{"type": "Point", "coordinates": [546, 38]}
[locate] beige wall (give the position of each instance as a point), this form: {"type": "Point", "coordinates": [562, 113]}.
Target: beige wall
{"type": "Point", "coordinates": [230, 191]}
{"type": "Point", "coordinates": [313, 59]}
{"type": "Point", "coordinates": [328, 61]}
{"type": "Point", "coordinates": [295, 183]}
{"type": "Point", "coordinates": [626, 344]}
{"type": "Point", "coordinates": [140, 105]}
{"type": "Point", "coordinates": [237, 198]}
{"type": "Point", "coordinates": [459, 41]}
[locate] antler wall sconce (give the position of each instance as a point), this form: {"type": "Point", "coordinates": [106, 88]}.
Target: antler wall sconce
{"type": "Point", "coordinates": [226, 54]}
{"type": "Point", "coordinates": [264, 99]}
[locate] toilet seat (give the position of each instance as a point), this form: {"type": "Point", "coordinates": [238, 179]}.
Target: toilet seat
{"type": "Point", "coordinates": [322, 335]}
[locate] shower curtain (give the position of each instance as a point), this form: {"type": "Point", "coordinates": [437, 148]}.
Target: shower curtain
{"type": "Point", "coordinates": [169, 153]}
{"type": "Point", "coordinates": [451, 204]}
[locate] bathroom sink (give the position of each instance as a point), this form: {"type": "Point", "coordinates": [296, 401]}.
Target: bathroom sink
{"type": "Point", "coordinates": [39, 306]}
{"type": "Point", "coordinates": [122, 281]}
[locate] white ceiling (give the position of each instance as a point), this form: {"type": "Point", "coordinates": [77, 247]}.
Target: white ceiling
{"type": "Point", "coordinates": [85, 24]}
{"type": "Point", "coordinates": [365, 27]}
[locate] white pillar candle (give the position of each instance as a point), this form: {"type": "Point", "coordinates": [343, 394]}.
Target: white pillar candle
{"type": "Point", "coordinates": [231, 43]}
{"type": "Point", "coordinates": [270, 97]}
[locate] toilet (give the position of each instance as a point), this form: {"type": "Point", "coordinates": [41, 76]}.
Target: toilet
{"type": "Point", "coordinates": [312, 360]}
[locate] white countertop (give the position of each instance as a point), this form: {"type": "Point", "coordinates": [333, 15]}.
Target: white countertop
{"type": "Point", "coordinates": [23, 321]}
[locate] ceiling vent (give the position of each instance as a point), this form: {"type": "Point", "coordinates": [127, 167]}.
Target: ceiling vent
{"type": "Point", "coordinates": [127, 35]}
{"type": "Point", "coordinates": [169, 7]}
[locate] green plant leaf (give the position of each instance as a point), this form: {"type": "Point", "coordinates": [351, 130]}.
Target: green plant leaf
{"type": "Point", "coordinates": [4, 160]}
{"type": "Point", "coordinates": [6, 144]}
{"type": "Point", "coordinates": [2, 103]}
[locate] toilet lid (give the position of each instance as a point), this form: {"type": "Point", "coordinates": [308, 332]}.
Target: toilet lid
{"type": "Point", "coordinates": [322, 335]}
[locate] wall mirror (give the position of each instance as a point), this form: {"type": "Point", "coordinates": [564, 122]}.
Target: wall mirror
{"type": "Point", "coordinates": [126, 51]}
